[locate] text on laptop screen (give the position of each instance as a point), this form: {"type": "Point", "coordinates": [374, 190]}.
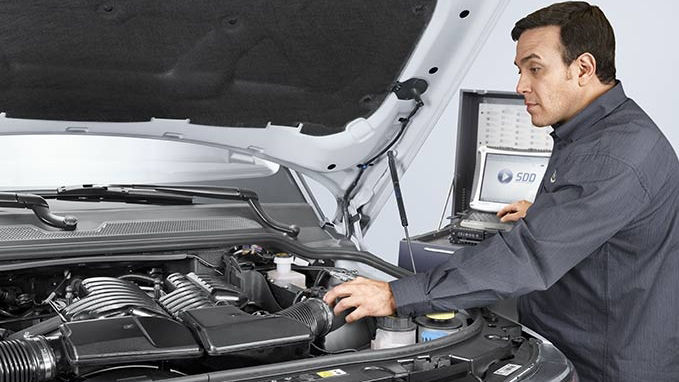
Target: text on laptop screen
{"type": "Point", "coordinates": [510, 178]}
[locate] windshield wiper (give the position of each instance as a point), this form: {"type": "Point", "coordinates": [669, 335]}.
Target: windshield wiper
{"type": "Point", "coordinates": [39, 207]}
{"type": "Point", "coordinates": [116, 193]}
{"type": "Point", "coordinates": [154, 194]}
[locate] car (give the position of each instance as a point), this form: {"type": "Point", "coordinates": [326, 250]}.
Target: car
{"type": "Point", "coordinates": [156, 217]}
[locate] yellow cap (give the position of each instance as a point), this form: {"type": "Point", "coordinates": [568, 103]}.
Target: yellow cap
{"type": "Point", "coordinates": [441, 316]}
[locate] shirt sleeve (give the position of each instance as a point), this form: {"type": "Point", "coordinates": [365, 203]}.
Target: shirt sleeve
{"type": "Point", "coordinates": [588, 203]}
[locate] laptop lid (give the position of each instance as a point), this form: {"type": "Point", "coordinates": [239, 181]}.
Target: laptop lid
{"type": "Point", "coordinates": [504, 176]}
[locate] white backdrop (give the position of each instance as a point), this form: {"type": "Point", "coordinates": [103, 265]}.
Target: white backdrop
{"type": "Point", "coordinates": [646, 61]}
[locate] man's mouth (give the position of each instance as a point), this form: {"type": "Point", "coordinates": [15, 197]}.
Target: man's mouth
{"type": "Point", "coordinates": [531, 106]}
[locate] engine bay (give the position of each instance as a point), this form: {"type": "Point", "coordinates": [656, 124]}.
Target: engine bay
{"type": "Point", "coordinates": [213, 310]}
{"type": "Point", "coordinates": [153, 316]}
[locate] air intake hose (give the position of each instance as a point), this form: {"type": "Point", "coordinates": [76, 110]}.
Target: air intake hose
{"type": "Point", "coordinates": [314, 313]}
{"type": "Point", "coordinates": [27, 360]}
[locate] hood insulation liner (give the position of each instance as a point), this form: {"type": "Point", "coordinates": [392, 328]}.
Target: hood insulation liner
{"type": "Point", "coordinates": [216, 62]}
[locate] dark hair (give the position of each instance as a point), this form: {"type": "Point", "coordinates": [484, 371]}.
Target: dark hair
{"type": "Point", "coordinates": [584, 28]}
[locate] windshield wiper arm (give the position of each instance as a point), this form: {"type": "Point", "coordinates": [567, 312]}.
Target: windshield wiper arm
{"type": "Point", "coordinates": [154, 193]}
{"type": "Point", "coordinates": [114, 193]}
{"type": "Point", "coordinates": [39, 207]}
{"type": "Point", "coordinates": [226, 193]}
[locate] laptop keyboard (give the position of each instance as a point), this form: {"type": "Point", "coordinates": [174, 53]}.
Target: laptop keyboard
{"type": "Point", "coordinates": [485, 220]}
{"type": "Point", "coordinates": [488, 217]}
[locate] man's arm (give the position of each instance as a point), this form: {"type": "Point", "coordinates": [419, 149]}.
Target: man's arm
{"type": "Point", "coordinates": [375, 298]}
{"type": "Point", "coordinates": [567, 222]}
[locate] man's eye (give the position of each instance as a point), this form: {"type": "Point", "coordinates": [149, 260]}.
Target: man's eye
{"type": "Point", "coordinates": [534, 69]}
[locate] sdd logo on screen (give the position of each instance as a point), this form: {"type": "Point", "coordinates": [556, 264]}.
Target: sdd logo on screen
{"type": "Point", "coordinates": [505, 176]}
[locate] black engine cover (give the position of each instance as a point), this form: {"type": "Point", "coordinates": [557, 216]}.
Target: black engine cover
{"type": "Point", "coordinates": [126, 339]}
{"type": "Point", "coordinates": [227, 330]}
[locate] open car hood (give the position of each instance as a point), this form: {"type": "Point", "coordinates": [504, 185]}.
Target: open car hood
{"type": "Point", "coordinates": [139, 282]}
{"type": "Point", "coordinates": [308, 84]}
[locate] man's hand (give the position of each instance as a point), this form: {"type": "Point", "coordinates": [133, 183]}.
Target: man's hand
{"type": "Point", "coordinates": [370, 297]}
{"type": "Point", "coordinates": [515, 211]}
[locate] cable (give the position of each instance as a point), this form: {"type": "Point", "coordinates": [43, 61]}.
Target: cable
{"type": "Point", "coordinates": [7, 314]}
{"type": "Point", "coordinates": [26, 318]}
{"type": "Point", "coordinates": [53, 294]}
{"type": "Point", "coordinates": [297, 296]}
{"type": "Point", "coordinates": [320, 268]}
{"type": "Point", "coordinates": [319, 277]}
{"type": "Point", "coordinates": [363, 166]}
{"type": "Point", "coordinates": [133, 366]}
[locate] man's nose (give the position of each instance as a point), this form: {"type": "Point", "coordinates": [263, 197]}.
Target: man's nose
{"type": "Point", "coordinates": [523, 85]}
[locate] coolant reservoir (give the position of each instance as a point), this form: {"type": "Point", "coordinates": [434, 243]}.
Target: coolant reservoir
{"type": "Point", "coordinates": [393, 332]}
{"type": "Point", "coordinates": [436, 325]}
{"type": "Point", "coordinates": [283, 275]}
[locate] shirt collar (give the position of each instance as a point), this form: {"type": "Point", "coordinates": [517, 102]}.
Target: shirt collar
{"type": "Point", "coordinates": [580, 124]}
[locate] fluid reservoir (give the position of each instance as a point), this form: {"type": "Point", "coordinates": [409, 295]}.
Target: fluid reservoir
{"type": "Point", "coordinates": [283, 275]}
{"type": "Point", "coordinates": [393, 332]}
{"type": "Point", "coordinates": [437, 325]}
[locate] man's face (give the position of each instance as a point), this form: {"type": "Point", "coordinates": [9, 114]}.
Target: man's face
{"type": "Point", "coordinates": [549, 87]}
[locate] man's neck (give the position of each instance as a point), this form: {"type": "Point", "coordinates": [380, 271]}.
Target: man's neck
{"type": "Point", "coordinates": [589, 95]}
{"type": "Point", "coordinates": [596, 91]}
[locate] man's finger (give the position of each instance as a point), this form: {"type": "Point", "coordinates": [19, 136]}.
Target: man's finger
{"type": "Point", "coordinates": [506, 209]}
{"type": "Point", "coordinates": [515, 216]}
{"type": "Point", "coordinates": [333, 294]}
{"type": "Point", "coordinates": [330, 297]}
{"type": "Point", "coordinates": [357, 314]}
{"type": "Point", "coordinates": [346, 303]}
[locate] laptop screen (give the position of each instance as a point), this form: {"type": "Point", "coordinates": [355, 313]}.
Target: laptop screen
{"type": "Point", "coordinates": [508, 178]}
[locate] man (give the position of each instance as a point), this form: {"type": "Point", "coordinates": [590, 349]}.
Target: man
{"type": "Point", "coordinates": [596, 258]}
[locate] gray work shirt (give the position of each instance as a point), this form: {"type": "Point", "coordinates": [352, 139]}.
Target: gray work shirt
{"type": "Point", "coordinates": [596, 259]}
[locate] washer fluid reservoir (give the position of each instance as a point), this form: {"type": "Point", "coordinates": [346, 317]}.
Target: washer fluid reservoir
{"type": "Point", "coordinates": [283, 275]}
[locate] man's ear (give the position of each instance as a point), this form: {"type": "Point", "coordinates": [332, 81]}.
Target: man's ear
{"type": "Point", "coordinates": [586, 68]}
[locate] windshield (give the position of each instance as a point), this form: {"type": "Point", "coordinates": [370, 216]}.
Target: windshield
{"type": "Point", "coordinates": [39, 162]}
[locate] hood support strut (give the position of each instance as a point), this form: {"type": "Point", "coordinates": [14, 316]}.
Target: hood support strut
{"type": "Point", "coordinates": [407, 90]}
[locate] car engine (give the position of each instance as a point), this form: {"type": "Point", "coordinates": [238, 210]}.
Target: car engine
{"type": "Point", "coordinates": [97, 322]}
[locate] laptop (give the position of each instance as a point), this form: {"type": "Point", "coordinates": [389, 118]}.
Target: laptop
{"type": "Point", "coordinates": [502, 177]}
